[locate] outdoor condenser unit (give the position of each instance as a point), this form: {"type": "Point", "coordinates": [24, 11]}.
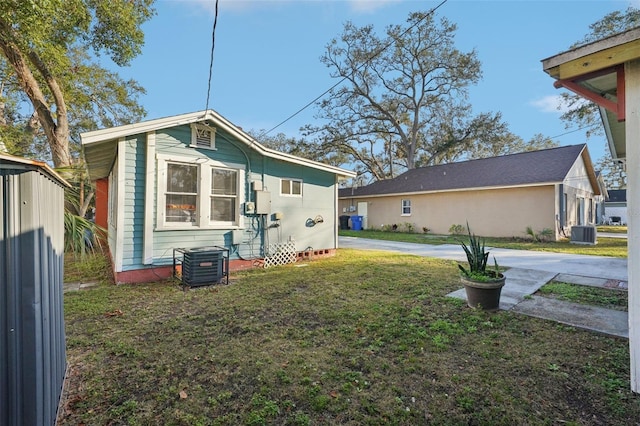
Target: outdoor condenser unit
{"type": "Point", "coordinates": [203, 265]}
{"type": "Point", "coordinates": [584, 235]}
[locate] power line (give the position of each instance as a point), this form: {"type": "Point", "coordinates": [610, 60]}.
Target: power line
{"type": "Point", "coordinates": [213, 45]}
{"type": "Point", "coordinates": [382, 49]}
{"type": "Point", "coordinates": [575, 130]}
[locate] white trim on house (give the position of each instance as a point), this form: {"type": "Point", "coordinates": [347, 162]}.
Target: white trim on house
{"type": "Point", "coordinates": [291, 193]}
{"type": "Point", "coordinates": [149, 182]}
{"type": "Point", "coordinates": [202, 219]}
{"type": "Point", "coordinates": [95, 138]}
{"type": "Point", "coordinates": [405, 204]}
{"type": "Point", "coordinates": [119, 250]}
{"type": "Point", "coordinates": [632, 124]}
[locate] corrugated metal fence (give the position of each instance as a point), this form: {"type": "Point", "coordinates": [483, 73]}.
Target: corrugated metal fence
{"type": "Point", "coordinates": [32, 338]}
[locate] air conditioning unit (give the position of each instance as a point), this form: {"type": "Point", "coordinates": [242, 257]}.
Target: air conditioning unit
{"type": "Point", "coordinates": [202, 266]}
{"type": "Point", "coordinates": [584, 235]}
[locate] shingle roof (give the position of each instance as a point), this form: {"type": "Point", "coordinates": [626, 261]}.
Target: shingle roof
{"type": "Point", "coordinates": [534, 167]}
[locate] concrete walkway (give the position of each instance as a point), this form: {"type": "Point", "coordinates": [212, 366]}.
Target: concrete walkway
{"type": "Point", "coordinates": [75, 286]}
{"type": "Point", "coordinates": [530, 270]}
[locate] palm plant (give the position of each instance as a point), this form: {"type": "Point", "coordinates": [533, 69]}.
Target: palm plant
{"type": "Point", "coordinates": [81, 235]}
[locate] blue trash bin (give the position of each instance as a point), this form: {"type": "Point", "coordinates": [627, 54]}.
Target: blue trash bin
{"type": "Point", "coordinates": [356, 223]}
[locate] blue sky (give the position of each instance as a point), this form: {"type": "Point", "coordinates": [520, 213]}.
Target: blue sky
{"type": "Point", "coordinates": [266, 59]}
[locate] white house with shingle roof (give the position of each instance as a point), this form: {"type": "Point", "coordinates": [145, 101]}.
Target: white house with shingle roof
{"type": "Point", "coordinates": [501, 196]}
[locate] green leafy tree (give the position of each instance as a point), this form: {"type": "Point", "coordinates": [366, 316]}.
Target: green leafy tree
{"type": "Point", "coordinates": [299, 147]}
{"type": "Point", "coordinates": [612, 171]}
{"type": "Point", "coordinates": [511, 145]}
{"type": "Point", "coordinates": [403, 101]}
{"type": "Point", "coordinates": [42, 43]}
{"type": "Point", "coordinates": [51, 90]}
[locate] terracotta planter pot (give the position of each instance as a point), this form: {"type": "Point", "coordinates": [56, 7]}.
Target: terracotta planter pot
{"type": "Point", "coordinates": [484, 295]}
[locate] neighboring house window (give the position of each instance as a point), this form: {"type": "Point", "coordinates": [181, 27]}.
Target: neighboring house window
{"type": "Point", "coordinates": [291, 187]}
{"type": "Point", "coordinates": [203, 136]}
{"type": "Point", "coordinates": [406, 207]}
{"type": "Point", "coordinates": [198, 193]}
{"type": "Point", "coordinates": [580, 211]}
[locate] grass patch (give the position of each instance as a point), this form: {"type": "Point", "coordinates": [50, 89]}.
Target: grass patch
{"type": "Point", "coordinates": [621, 229]}
{"type": "Point", "coordinates": [613, 247]}
{"type": "Point", "coordinates": [586, 295]}
{"type": "Point", "coordinates": [363, 338]}
{"type": "Point", "coordinates": [85, 268]}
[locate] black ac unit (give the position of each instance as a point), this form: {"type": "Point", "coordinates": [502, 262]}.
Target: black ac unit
{"type": "Point", "coordinates": [203, 266]}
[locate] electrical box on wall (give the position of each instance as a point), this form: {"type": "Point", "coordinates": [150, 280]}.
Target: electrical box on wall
{"type": "Point", "coordinates": [236, 236]}
{"type": "Point", "coordinates": [263, 202]}
{"type": "Point", "coordinates": [249, 207]}
{"type": "Point", "coordinates": [256, 185]}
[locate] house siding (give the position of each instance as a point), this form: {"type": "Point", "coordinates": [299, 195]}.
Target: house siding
{"type": "Point", "coordinates": [133, 209]}
{"type": "Point", "coordinates": [504, 212]}
{"type": "Point", "coordinates": [577, 186]}
{"type": "Point", "coordinates": [318, 187]}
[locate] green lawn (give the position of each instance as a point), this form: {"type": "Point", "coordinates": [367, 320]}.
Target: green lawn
{"type": "Point", "coordinates": [614, 247]}
{"type": "Point", "coordinates": [586, 295]}
{"type": "Point", "coordinates": [613, 229]}
{"type": "Point", "coordinates": [363, 338]}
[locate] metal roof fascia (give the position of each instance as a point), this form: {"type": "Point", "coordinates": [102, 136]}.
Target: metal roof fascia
{"type": "Point", "coordinates": [28, 165]}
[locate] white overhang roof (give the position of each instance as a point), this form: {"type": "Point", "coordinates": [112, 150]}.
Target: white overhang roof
{"type": "Point", "coordinates": [100, 146]}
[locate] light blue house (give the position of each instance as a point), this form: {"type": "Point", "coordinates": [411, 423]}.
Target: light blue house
{"type": "Point", "coordinates": [196, 180]}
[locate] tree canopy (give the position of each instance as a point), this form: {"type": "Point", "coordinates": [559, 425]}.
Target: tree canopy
{"type": "Point", "coordinates": [613, 173]}
{"type": "Point", "coordinates": [403, 100]}
{"type": "Point", "coordinates": [46, 47]}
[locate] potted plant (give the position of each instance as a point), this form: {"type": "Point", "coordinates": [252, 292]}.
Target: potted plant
{"type": "Point", "coordinates": [483, 285]}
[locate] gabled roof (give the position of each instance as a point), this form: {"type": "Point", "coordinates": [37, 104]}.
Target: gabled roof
{"type": "Point", "coordinates": [548, 166]}
{"type": "Point", "coordinates": [100, 146]}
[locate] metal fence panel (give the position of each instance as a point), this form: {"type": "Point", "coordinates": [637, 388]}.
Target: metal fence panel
{"type": "Point", "coordinates": [32, 339]}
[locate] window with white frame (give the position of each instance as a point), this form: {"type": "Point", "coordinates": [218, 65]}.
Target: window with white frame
{"type": "Point", "coordinates": [224, 195]}
{"type": "Point", "coordinates": [181, 196]}
{"type": "Point", "coordinates": [198, 193]}
{"type": "Point", "coordinates": [406, 207]}
{"type": "Point", "coordinates": [292, 187]}
{"type": "Point", "coordinates": [203, 136]}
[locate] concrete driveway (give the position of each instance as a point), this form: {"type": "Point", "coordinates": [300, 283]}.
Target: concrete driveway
{"type": "Point", "coordinates": [558, 263]}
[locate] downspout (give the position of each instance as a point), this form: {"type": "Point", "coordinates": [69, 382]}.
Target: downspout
{"type": "Point", "coordinates": [561, 211]}
{"type": "Point", "coordinates": [561, 204]}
